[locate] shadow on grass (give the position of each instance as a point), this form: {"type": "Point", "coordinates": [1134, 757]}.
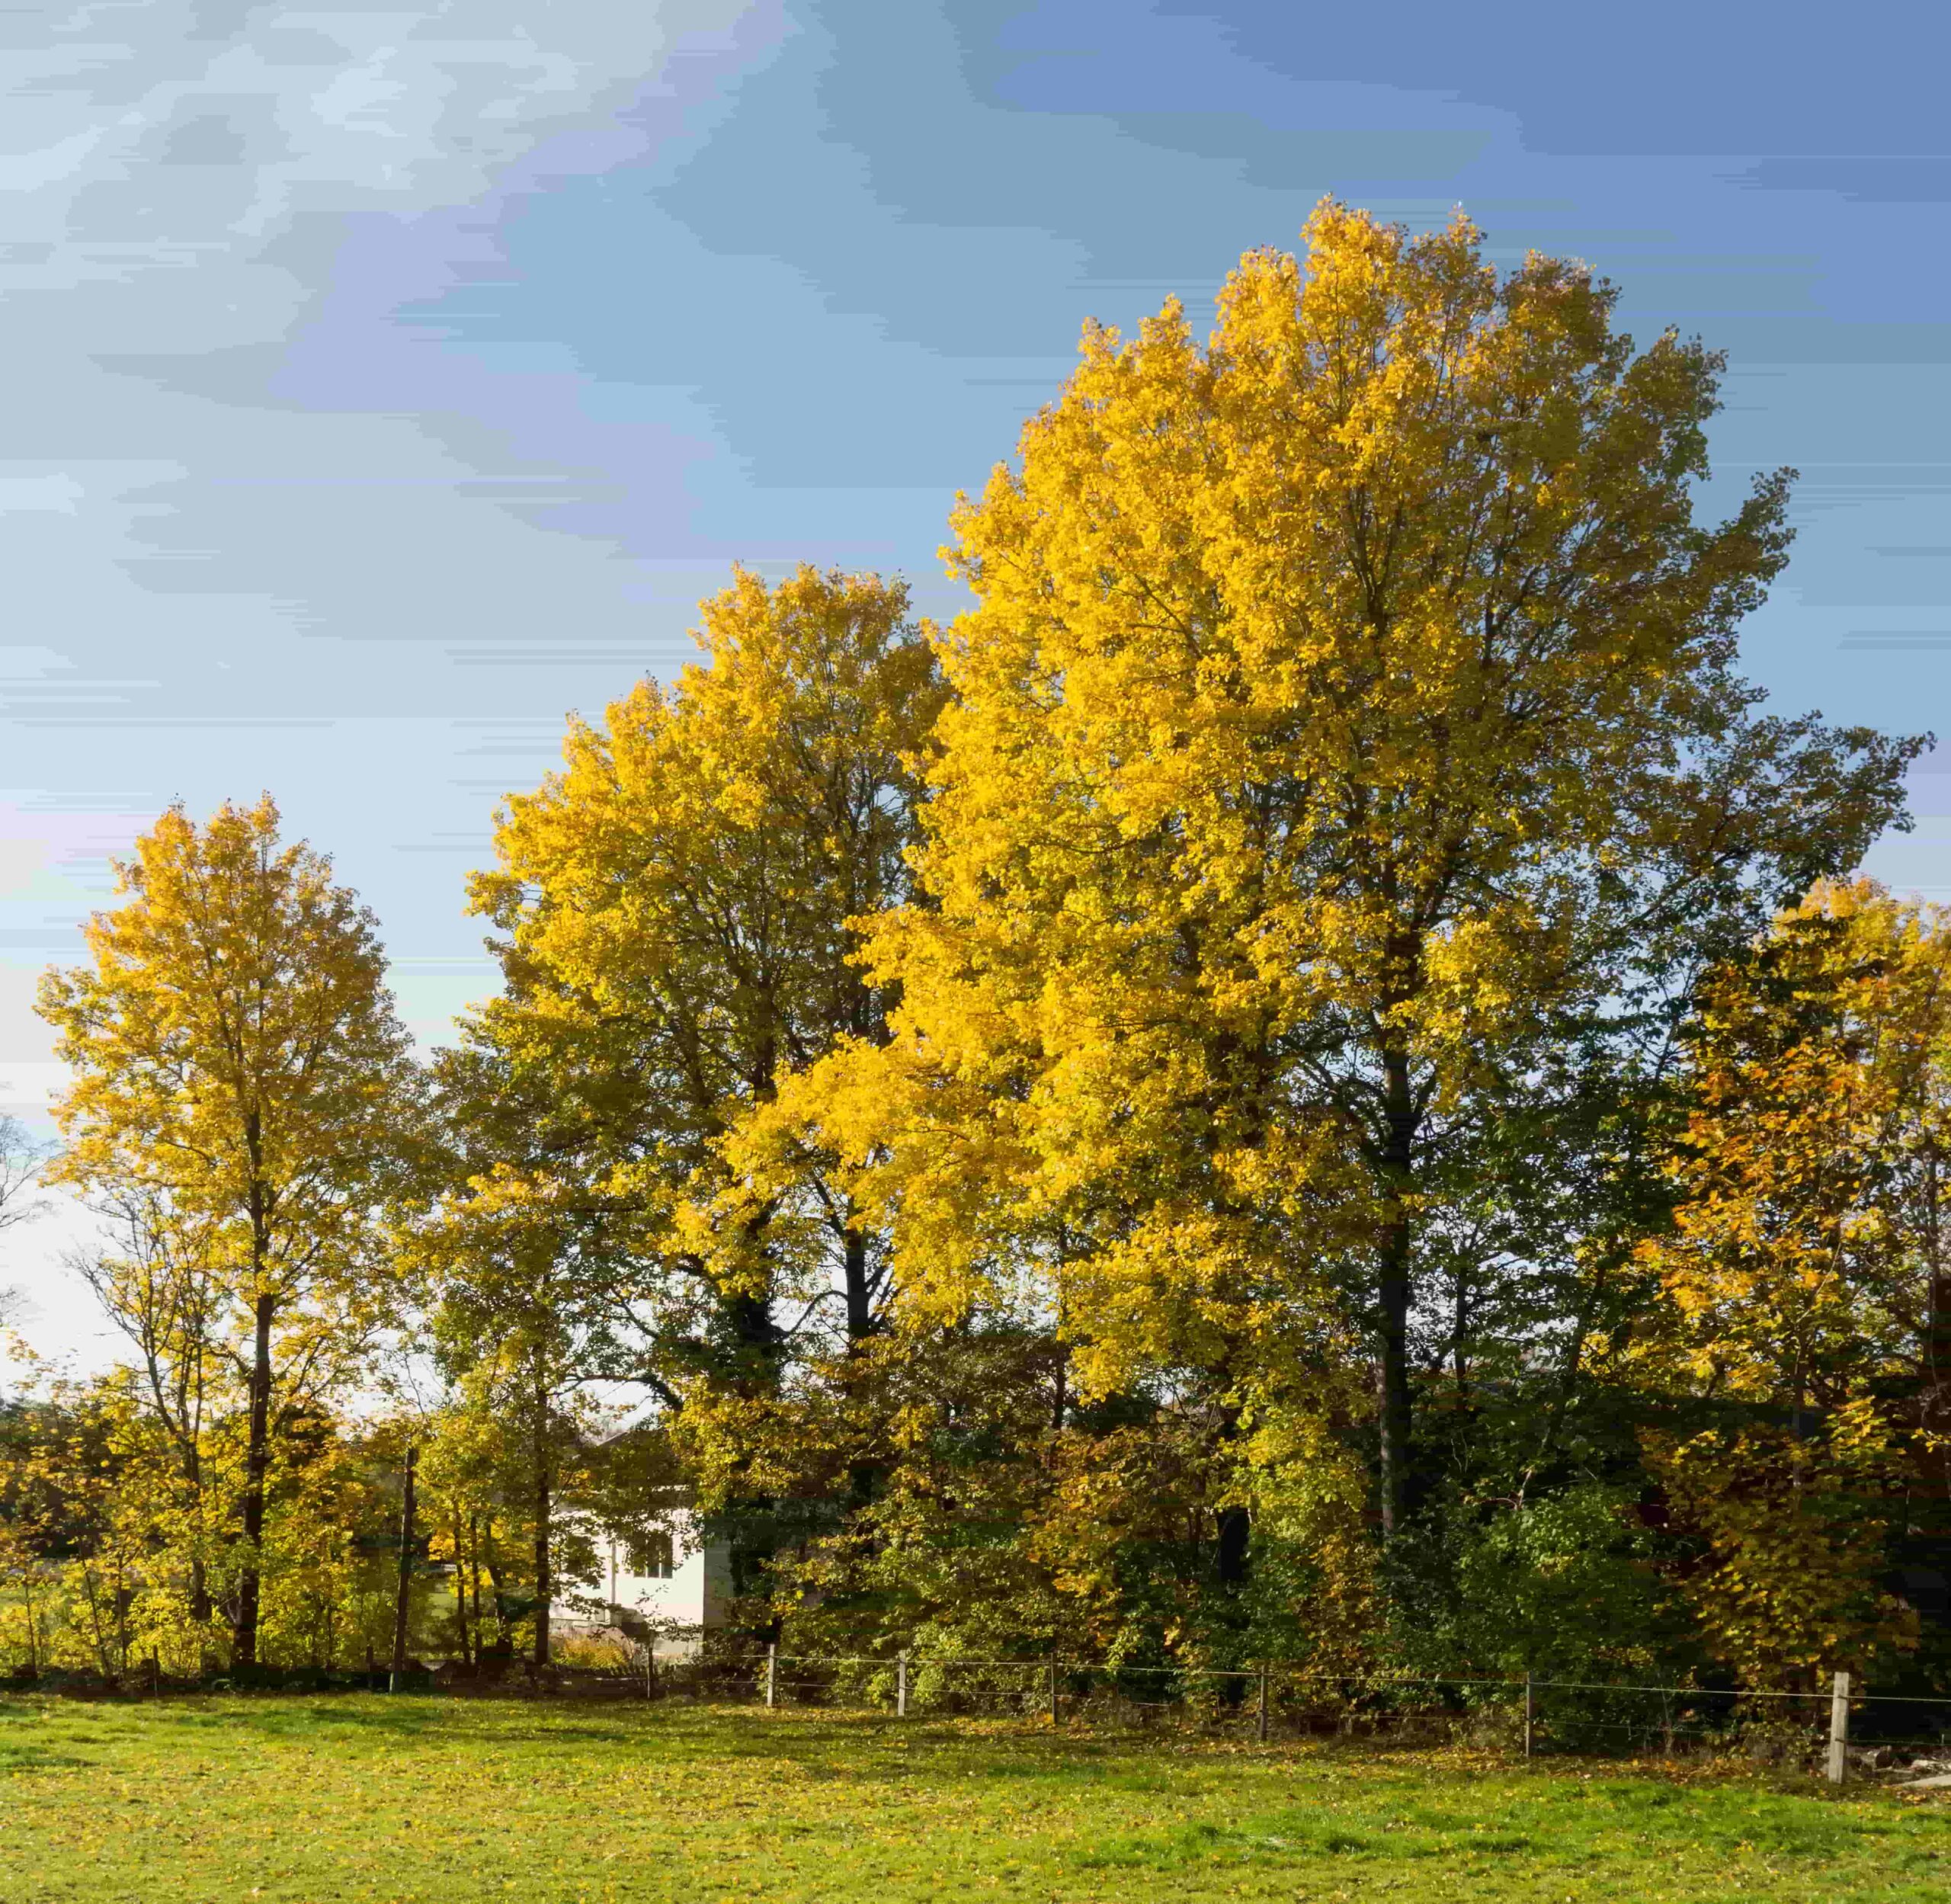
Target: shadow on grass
{"type": "Point", "coordinates": [298, 1716]}
{"type": "Point", "coordinates": [864, 1747]}
{"type": "Point", "coordinates": [1546, 1821]}
{"type": "Point", "coordinates": [36, 1758]}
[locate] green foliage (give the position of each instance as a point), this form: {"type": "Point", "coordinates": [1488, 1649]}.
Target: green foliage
{"type": "Point", "coordinates": [1569, 1586]}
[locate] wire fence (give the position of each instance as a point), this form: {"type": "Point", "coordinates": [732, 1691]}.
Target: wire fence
{"type": "Point", "coordinates": [1836, 1728]}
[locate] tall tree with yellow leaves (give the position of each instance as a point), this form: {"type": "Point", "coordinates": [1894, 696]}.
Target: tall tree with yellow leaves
{"type": "Point", "coordinates": [680, 907]}
{"type": "Point", "coordinates": [239, 1068]}
{"type": "Point", "coordinates": [1346, 730]}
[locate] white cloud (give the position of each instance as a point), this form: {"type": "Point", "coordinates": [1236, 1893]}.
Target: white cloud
{"type": "Point", "coordinates": [54, 493]}
{"type": "Point", "coordinates": [402, 108]}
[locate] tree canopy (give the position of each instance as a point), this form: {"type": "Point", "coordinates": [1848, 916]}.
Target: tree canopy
{"type": "Point", "coordinates": [1310, 1079]}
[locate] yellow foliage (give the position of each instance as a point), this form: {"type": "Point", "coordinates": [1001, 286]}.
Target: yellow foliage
{"type": "Point", "coordinates": [680, 903]}
{"type": "Point", "coordinates": [238, 1087]}
{"type": "Point", "coordinates": [234, 1052]}
{"type": "Point", "coordinates": [1804, 1296]}
{"type": "Point", "coordinates": [1341, 701]}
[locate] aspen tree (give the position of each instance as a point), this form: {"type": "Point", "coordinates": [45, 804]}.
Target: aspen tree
{"type": "Point", "coordinates": [237, 1061]}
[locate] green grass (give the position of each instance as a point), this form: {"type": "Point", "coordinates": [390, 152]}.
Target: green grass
{"type": "Point", "coordinates": [359, 1797]}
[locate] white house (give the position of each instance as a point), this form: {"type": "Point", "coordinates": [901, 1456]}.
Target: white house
{"type": "Point", "coordinates": [670, 1587]}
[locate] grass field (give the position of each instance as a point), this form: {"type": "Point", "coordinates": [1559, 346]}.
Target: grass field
{"type": "Point", "coordinates": [358, 1798]}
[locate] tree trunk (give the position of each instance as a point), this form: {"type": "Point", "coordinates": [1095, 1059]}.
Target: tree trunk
{"type": "Point", "coordinates": [863, 1477]}
{"type": "Point", "coordinates": [1232, 1558]}
{"type": "Point", "coordinates": [757, 1342]}
{"type": "Point", "coordinates": [460, 1594]}
{"type": "Point", "coordinates": [474, 1571]}
{"type": "Point", "coordinates": [200, 1611]}
{"type": "Point", "coordinates": [123, 1598]}
{"type": "Point", "coordinates": [543, 1586]}
{"type": "Point", "coordinates": [1393, 1298]}
{"type": "Point", "coordinates": [1934, 1410]}
{"type": "Point", "coordinates": [244, 1649]}
{"type": "Point", "coordinates": [758, 1345]}
{"type": "Point", "coordinates": [859, 1311]}
{"type": "Point", "coordinates": [403, 1595]}
{"type": "Point", "coordinates": [503, 1634]}
{"type": "Point", "coordinates": [192, 1463]}
{"type": "Point", "coordinates": [1235, 1532]}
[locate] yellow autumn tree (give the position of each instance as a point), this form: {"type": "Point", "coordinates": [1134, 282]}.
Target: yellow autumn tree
{"type": "Point", "coordinates": [1346, 728]}
{"type": "Point", "coordinates": [1801, 1333]}
{"type": "Point", "coordinates": [240, 1076]}
{"type": "Point", "coordinates": [679, 909]}
{"type": "Point", "coordinates": [151, 1272]}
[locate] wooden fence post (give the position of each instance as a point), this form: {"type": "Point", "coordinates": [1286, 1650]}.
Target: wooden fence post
{"type": "Point", "coordinates": [1839, 1729]}
{"type": "Point", "coordinates": [901, 1687]}
{"type": "Point", "coordinates": [1531, 1714]}
{"type": "Point", "coordinates": [771, 1672]}
{"type": "Point", "coordinates": [1260, 1715]}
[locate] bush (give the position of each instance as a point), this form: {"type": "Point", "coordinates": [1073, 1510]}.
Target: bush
{"type": "Point", "coordinates": [1563, 1588]}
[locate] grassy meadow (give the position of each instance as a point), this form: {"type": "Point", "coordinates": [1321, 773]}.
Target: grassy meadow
{"type": "Point", "coordinates": [358, 1797]}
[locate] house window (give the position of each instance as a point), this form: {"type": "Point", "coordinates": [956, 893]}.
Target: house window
{"type": "Point", "coordinates": [652, 1558]}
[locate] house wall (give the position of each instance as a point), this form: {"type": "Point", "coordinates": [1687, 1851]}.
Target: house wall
{"type": "Point", "coordinates": [693, 1595]}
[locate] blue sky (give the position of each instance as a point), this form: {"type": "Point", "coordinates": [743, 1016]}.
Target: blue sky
{"type": "Point", "coordinates": [386, 380]}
